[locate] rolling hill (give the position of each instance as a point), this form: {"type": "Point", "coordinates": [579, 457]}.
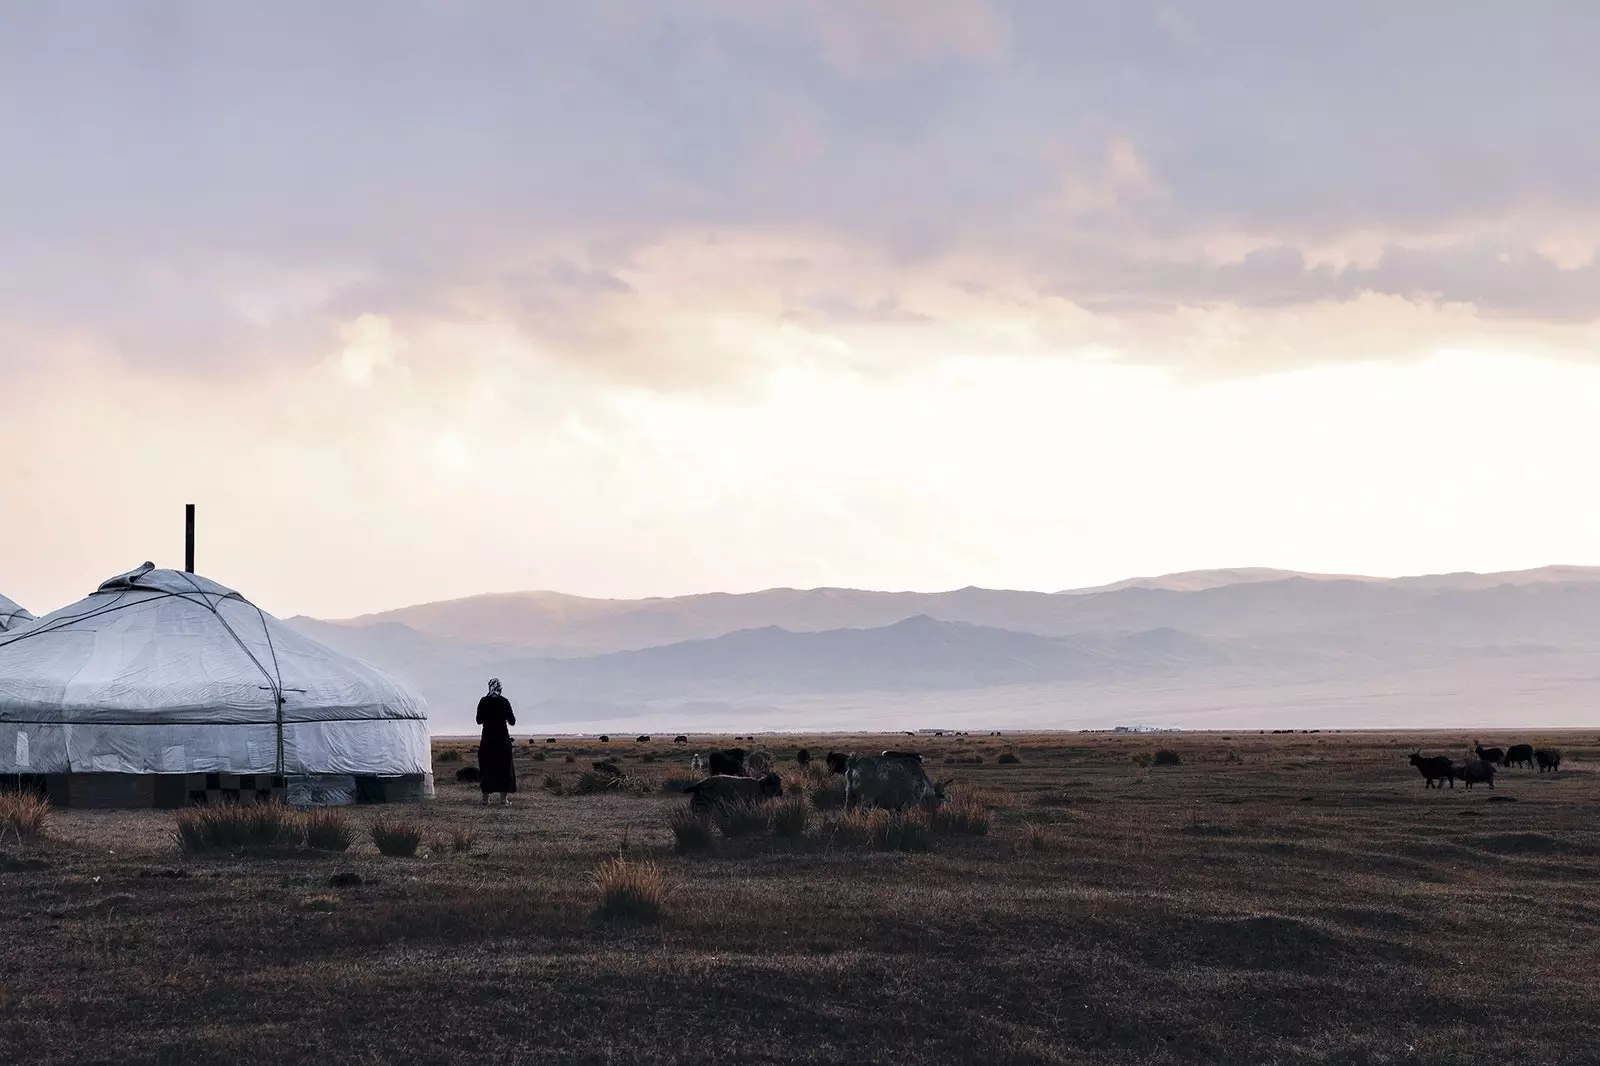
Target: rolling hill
{"type": "Point", "coordinates": [1197, 641]}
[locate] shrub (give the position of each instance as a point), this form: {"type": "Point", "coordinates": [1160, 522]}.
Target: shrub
{"type": "Point", "coordinates": [571, 757]}
{"type": "Point", "coordinates": [901, 830]}
{"type": "Point", "coordinates": [448, 755]}
{"type": "Point", "coordinates": [552, 784]}
{"type": "Point", "coordinates": [439, 846]}
{"type": "Point", "coordinates": [462, 840]}
{"type": "Point", "coordinates": [1008, 758]}
{"type": "Point", "coordinates": [23, 815]}
{"type": "Point", "coordinates": [630, 891]}
{"type": "Point", "coordinates": [327, 829]}
{"type": "Point", "coordinates": [228, 826]}
{"type": "Point", "coordinates": [691, 830]}
{"type": "Point", "coordinates": [538, 756]}
{"type": "Point", "coordinates": [397, 839]}
{"type": "Point", "coordinates": [962, 813]}
{"type": "Point", "coordinates": [740, 819]}
{"type": "Point", "coordinates": [1167, 757]}
{"type": "Point", "coordinates": [790, 817]}
{"type": "Point", "coordinates": [647, 757]}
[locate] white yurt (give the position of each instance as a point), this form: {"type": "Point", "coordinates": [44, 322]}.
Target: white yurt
{"type": "Point", "coordinates": [12, 616]}
{"type": "Point", "coordinates": [163, 689]}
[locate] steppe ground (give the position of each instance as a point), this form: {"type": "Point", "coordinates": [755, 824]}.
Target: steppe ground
{"type": "Point", "coordinates": [1275, 898]}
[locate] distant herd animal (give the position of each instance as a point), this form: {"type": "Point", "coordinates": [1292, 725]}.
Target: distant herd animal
{"type": "Point", "coordinates": [1480, 769]}
{"type": "Point", "coordinates": [891, 779]}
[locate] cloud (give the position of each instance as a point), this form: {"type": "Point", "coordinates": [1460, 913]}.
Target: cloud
{"type": "Point", "coordinates": [685, 196]}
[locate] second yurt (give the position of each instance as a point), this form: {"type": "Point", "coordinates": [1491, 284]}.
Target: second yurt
{"type": "Point", "coordinates": [11, 615]}
{"type": "Point", "coordinates": [163, 688]}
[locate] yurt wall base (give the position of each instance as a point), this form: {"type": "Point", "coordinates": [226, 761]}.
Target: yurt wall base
{"type": "Point", "coordinates": [181, 790]}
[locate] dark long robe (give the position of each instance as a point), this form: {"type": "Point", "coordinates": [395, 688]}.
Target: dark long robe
{"type": "Point", "coordinates": [496, 774]}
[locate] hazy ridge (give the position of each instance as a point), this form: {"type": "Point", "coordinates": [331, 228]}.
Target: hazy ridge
{"type": "Point", "coordinates": [1173, 647]}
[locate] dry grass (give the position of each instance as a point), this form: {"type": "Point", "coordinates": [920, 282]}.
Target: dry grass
{"type": "Point", "coordinates": [910, 830]}
{"type": "Point", "coordinates": [1036, 836]}
{"type": "Point", "coordinates": [231, 827]}
{"type": "Point", "coordinates": [24, 816]}
{"type": "Point", "coordinates": [463, 840]}
{"type": "Point", "coordinates": [735, 820]}
{"type": "Point", "coordinates": [327, 829]}
{"type": "Point", "coordinates": [1310, 902]}
{"type": "Point", "coordinates": [790, 817]}
{"type": "Point", "coordinates": [692, 832]}
{"type": "Point", "coordinates": [827, 792]}
{"type": "Point", "coordinates": [397, 839]}
{"type": "Point", "coordinates": [593, 781]}
{"type": "Point", "coordinates": [630, 891]}
{"type": "Point", "coordinates": [962, 813]}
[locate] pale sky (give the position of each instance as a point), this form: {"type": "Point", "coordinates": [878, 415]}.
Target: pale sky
{"type": "Point", "coordinates": [423, 299]}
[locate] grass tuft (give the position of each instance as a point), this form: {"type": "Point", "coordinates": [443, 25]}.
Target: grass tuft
{"type": "Point", "coordinates": [448, 755]}
{"type": "Point", "coordinates": [901, 830]}
{"type": "Point", "coordinates": [397, 839]}
{"type": "Point", "coordinates": [1036, 836]}
{"type": "Point", "coordinates": [592, 781]}
{"type": "Point", "coordinates": [630, 891]}
{"type": "Point", "coordinates": [1166, 757]}
{"type": "Point", "coordinates": [327, 829]}
{"type": "Point", "coordinates": [552, 784]}
{"type": "Point", "coordinates": [462, 840]}
{"type": "Point", "coordinates": [691, 831]}
{"type": "Point", "coordinates": [227, 827]}
{"type": "Point", "coordinates": [790, 817]}
{"type": "Point", "coordinates": [736, 820]}
{"type": "Point", "coordinates": [827, 793]}
{"type": "Point", "coordinates": [962, 813]}
{"type": "Point", "coordinates": [23, 815]}
{"type": "Point", "coordinates": [1008, 758]}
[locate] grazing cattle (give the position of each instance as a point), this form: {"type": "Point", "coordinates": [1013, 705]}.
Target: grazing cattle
{"type": "Point", "coordinates": [886, 781]}
{"type": "Point", "coordinates": [1477, 772]}
{"type": "Point", "coordinates": [725, 790]}
{"type": "Point", "coordinates": [604, 739]}
{"type": "Point", "coordinates": [726, 762]}
{"type": "Point", "coordinates": [548, 740]}
{"type": "Point", "coordinates": [609, 769]}
{"type": "Point", "coordinates": [1487, 754]}
{"type": "Point", "coordinates": [1436, 769]}
{"type": "Point", "coordinates": [644, 738]}
{"type": "Point", "coordinates": [837, 761]}
{"type": "Point", "coordinates": [803, 757]}
{"type": "Point", "coordinates": [680, 739]}
{"type": "Point", "coordinates": [1519, 755]}
{"type": "Point", "coordinates": [468, 775]}
{"type": "Point", "coordinates": [757, 763]}
{"type": "Point", "coordinates": [1548, 759]}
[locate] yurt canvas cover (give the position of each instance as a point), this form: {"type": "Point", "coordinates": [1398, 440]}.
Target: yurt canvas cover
{"type": "Point", "coordinates": [12, 616]}
{"type": "Point", "coordinates": [163, 688]}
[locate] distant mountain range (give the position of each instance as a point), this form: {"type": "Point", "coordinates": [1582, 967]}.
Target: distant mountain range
{"type": "Point", "coordinates": [576, 662]}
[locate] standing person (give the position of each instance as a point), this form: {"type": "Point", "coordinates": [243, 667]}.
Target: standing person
{"type": "Point", "coordinates": [495, 772]}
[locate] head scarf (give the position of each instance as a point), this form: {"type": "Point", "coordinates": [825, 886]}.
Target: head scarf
{"type": "Point", "coordinates": [494, 686]}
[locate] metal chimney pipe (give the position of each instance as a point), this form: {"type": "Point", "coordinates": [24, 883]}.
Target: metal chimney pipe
{"type": "Point", "coordinates": [188, 538]}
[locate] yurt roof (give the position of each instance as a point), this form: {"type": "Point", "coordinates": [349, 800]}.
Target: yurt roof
{"type": "Point", "coordinates": [169, 646]}
{"type": "Point", "coordinates": [12, 615]}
